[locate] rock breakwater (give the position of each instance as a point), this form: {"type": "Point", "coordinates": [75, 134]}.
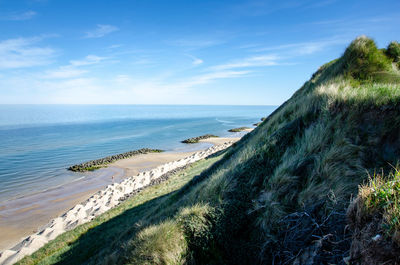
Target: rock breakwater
{"type": "Point", "coordinates": [98, 163]}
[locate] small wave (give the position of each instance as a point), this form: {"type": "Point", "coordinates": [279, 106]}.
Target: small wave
{"type": "Point", "coordinates": [223, 121]}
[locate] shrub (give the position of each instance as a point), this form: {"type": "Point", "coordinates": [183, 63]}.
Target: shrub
{"type": "Point", "coordinates": [393, 51]}
{"type": "Point", "coordinates": [362, 58]}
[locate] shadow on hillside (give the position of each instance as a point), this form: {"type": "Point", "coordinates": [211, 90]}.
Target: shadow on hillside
{"type": "Point", "coordinates": [112, 235]}
{"type": "Point", "coordinates": [366, 127]}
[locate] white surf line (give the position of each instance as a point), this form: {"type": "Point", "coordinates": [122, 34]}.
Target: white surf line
{"type": "Point", "coordinates": [99, 203]}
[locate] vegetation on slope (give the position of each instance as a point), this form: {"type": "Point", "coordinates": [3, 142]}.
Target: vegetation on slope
{"type": "Point", "coordinates": [375, 219]}
{"type": "Point", "coordinates": [280, 194]}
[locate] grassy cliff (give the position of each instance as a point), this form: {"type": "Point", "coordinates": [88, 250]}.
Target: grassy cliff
{"type": "Point", "coordinates": [278, 196]}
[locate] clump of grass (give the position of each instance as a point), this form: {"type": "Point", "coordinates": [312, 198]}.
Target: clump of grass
{"type": "Point", "coordinates": [240, 129]}
{"type": "Point", "coordinates": [159, 244]}
{"type": "Point", "coordinates": [194, 140]}
{"type": "Point", "coordinates": [362, 58]}
{"type": "Point", "coordinates": [196, 224]}
{"type": "Point", "coordinates": [382, 196]}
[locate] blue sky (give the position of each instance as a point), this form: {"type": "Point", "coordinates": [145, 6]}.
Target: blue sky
{"type": "Point", "coordinates": [177, 52]}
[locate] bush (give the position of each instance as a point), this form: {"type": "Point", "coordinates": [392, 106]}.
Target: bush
{"type": "Point", "coordinates": [362, 58]}
{"type": "Point", "coordinates": [393, 51]}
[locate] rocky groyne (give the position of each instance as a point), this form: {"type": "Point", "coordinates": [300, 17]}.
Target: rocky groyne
{"type": "Point", "coordinates": [98, 163]}
{"type": "Point", "coordinates": [198, 138]}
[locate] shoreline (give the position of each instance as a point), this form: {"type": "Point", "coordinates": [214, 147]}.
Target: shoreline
{"type": "Point", "coordinates": [15, 226]}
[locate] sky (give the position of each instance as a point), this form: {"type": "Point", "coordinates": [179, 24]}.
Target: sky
{"type": "Point", "coordinates": [223, 52]}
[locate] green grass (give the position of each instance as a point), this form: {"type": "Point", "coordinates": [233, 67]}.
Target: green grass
{"type": "Point", "coordinates": [160, 244]}
{"type": "Point", "coordinates": [382, 196]}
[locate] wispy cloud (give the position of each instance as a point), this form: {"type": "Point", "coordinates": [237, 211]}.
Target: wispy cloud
{"type": "Point", "coordinates": [196, 61]}
{"type": "Point", "coordinates": [74, 68]}
{"type": "Point", "coordinates": [254, 61]}
{"type": "Point", "coordinates": [23, 52]}
{"type": "Point", "coordinates": [195, 43]}
{"type": "Point", "coordinates": [18, 16]}
{"type": "Point", "coordinates": [88, 60]}
{"type": "Point", "coordinates": [202, 79]}
{"type": "Point", "coordinates": [114, 46]}
{"type": "Point", "coordinates": [101, 31]}
{"type": "Point", "coordinates": [303, 48]}
{"type": "Point", "coordinates": [64, 73]}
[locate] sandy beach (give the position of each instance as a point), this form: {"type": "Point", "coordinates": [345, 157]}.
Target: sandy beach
{"type": "Point", "coordinates": [32, 221]}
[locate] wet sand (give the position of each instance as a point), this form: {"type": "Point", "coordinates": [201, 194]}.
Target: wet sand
{"type": "Point", "coordinates": [21, 217]}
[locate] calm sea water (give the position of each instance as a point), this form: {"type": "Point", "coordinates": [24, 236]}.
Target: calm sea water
{"type": "Point", "coordinates": [38, 142]}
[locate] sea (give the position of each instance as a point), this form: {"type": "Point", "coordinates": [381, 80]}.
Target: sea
{"type": "Point", "coordinates": [39, 142]}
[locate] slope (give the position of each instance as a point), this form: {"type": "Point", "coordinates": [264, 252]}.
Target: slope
{"type": "Point", "coordinates": [279, 195]}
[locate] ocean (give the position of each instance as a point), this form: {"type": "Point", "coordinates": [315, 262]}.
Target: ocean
{"type": "Point", "coordinates": [39, 142]}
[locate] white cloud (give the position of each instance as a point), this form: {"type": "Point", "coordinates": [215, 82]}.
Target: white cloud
{"type": "Point", "coordinates": [101, 31]}
{"type": "Point", "coordinates": [115, 46]}
{"type": "Point", "coordinates": [122, 78]}
{"type": "Point", "coordinates": [22, 52]}
{"type": "Point", "coordinates": [64, 73]}
{"type": "Point", "coordinates": [209, 77]}
{"type": "Point", "coordinates": [195, 43]}
{"type": "Point", "coordinates": [304, 48]}
{"type": "Point", "coordinates": [19, 16]}
{"type": "Point", "coordinates": [255, 61]}
{"type": "Point", "coordinates": [73, 69]}
{"type": "Point", "coordinates": [88, 60]}
{"type": "Point", "coordinates": [196, 61]}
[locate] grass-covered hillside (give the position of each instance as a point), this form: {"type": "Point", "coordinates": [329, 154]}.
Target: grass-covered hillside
{"type": "Point", "coordinates": [281, 194]}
